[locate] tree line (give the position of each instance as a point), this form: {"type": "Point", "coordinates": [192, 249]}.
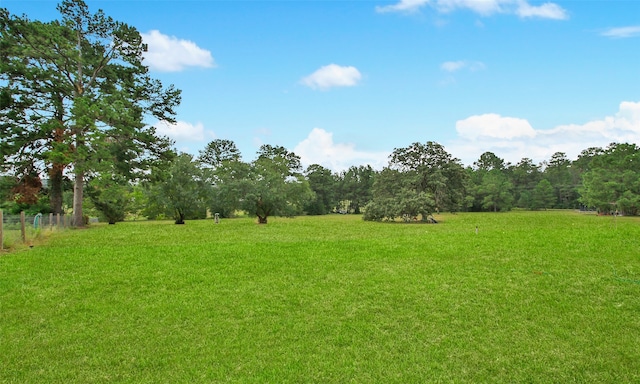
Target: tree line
{"type": "Point", "coordinates": [419, 180]}
{"type": "Point", "coordinates": [75, 97]}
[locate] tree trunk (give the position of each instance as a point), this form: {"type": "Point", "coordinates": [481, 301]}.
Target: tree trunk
{"type": "Point", "coordinates": [78, 190]}
{"type": "Point", "coordinates": [55, 173]}
{"type": "Point", "coordinates": [262, 219]}
{"type": "Point", "coordinates": [55, 188]}
{"type": "Point", "coordinates": [179, 217]}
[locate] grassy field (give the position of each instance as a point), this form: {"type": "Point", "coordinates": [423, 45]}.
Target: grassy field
{"type": "Point", "coordinates": [531, 297]}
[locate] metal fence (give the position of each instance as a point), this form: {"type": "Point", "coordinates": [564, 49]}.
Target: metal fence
{"type": "Point", "coordinates": [25, 229]}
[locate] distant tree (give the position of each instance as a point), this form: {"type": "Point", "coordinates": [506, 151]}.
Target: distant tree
{"type": "Point", "coordinates": [381, 209]}
{"type": "Point", "coordinates": [434, 171]}
{"type": "Point", "coordinates": [138, 202]}
{"type": "Point", "coordinates": [543, 195]}
{"type": "Point", "coordinates": [231, 181]}
{"type": "Point", "coordinates": [183, 191]}
{"type": "Point", "coordinates": [395, 196]}
{"type": "Point", "coordinates": [277, 186]}
{"type": "Point", "coordinates": [225, 171]}
{"type": "Point", "coordinates": [407, 204]}
{"type": "Point", "coordinates": [583, 162]}
{"type": "Point", "coordinates": [488, 161]}
{"type": "Point", "coordinates": [324, 185]}
{"type": "Point", "coordinates": [279, 159]}
{"type": "Point", "coordinates": [111, 196]}
{"type": "Point", "coordinates": [524, 177]}
{"type": "Point", "coordinates": [384, 204]}
{"type": "Point", "coordinates": [496, 192]}
{"type": "Point", "coordinates": [419, 180]}
{"type": "Point", "coordinates": [355, 186]}
{"type": "Point", "coordinates": [490, 187]}
{"type": "Point", "coordinates": [612, 181]}
{"type": "Point", "coordinates": [218, 152]}
{"type": "Point", "coordinates": [563, 181]}
{"type": "Point", "coordinates": [23, 193]}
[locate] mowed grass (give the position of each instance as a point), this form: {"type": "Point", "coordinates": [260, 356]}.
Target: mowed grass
{"type": "Point", "coordinates": [532, 297]}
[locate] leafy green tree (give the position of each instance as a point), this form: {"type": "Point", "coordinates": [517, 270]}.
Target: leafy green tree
{"type": "Point", "coordinates": [583, 163]}
{"type": "Point", "coordinates": [355, 187]}
{"type": "Point", "coordinates": [543, 195]}
{"type": "Point", "coordinates": [496, 191]}
{"type": "Point", "coordinates": [227, 174]}
{"type": "Point", "coordinates": [434, 171]}
{"type": "Point", "coordinates": [419, 180]}
{"type": "Point", "coordinates": [489, 161]}
{"type": "Point", "coordinates": [490, 188]}
{"type": "Point", "coordinates": [218, 152]}
{"type": "Point", "coordinates": [324, 185]}
{"type": "Point", "coordinates": [138, 201]}
{"type": "Point", "coordinates": [381, 209]}
{"type": "Point", "coordinates": [110, 195]}
{"type": "Point", "coordinates": [524, 177]}
{"type": "Point", "coordinates": [89, 89]}
{"type": "Point", "coordinates": [231, 181]}
{"type": "Point", "coordinates": [279, 159]}
{"type": "Point", "coordinates": [277, 186]}
{"type": "Point", "coordinates": [184, 192]}
{"type": "Point", "coordinates": [613, 180]}
{"type": "Point", "coordinates": [395, 196]}
{"type": "Point", "coordinates": [384, 205]}
{"type": "Point", "coordinates": [32, 103]}
{"type": "Point", "coordinates": [563, 180]}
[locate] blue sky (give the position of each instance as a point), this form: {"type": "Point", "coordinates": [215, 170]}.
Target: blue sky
{"type": "Point", "coordinates": [343, 83]}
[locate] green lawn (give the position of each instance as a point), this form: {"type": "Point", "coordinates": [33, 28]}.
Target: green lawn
{"type": "Point", "coordinates": [532, 297]}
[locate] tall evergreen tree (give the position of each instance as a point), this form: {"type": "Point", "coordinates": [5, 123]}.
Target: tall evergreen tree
{"type": "Point", "coordinates": [524, 177]}
{"type": "Point", "coordinates": [86, 73]}
{"type": "Point", "coordinates": [563, 180]}
{"type": "Point", "coordinates": [613, 180]}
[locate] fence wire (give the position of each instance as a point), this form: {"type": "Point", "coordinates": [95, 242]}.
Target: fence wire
{"type": "Point", "coordinates": [16, 229]}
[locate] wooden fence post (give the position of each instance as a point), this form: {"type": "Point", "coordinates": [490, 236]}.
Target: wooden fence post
{"type": "Point", "coordinates": [23, 227]}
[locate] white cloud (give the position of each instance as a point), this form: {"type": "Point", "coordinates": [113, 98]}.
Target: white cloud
{"type": "Point", "coordinates": [514, 138]}
{"type": "Point", "coordinates": [182, 132]}
{"type": "Point", "coordinates": [403, 6]}
{"type": "Point", "coordinates": [319, 148]}
{"type": "Point", "coordinates": [170, 54]}
{"type": "Point", "coordinates": [544, 11]}
{"type": "Point", "coordinates": [522, 8]}
{"type": "Point", "coordinates": [453, 66]}
{"type": "Point", "coordinates": [622, 32]}
{"type": "Point", "coordinates": [494, 126]}
{"type": "Point", "coordinates": [332, 75]}
{"type": "Point", "coordinates": [481, 7]}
